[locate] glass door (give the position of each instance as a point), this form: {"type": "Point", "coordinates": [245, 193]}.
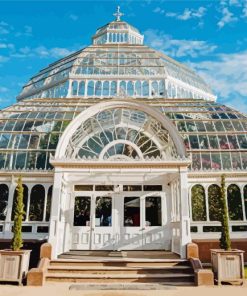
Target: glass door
{"type": "Point", "coordinates": [155, 230]}
{"type": "Point", "coordinates": [102, 230]}
{"type": "Point", "coordinates": [81, 231]}
{"type": "Point", "coordinates": [130, 221]}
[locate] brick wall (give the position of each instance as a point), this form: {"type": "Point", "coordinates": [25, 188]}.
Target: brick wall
{"type": "Point", "coordinates": [206, 244]}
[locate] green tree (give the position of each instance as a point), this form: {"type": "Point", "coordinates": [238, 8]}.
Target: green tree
{"type": "Point", "coordinates": [198, 202]}
{"type": "Point", "coordinates": [225, 242]}
{"type": "Point", "coordinates": [17, 241]}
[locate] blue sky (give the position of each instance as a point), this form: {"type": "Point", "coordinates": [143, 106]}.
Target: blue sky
{"type": "Point", "coordinates": [210, 36]}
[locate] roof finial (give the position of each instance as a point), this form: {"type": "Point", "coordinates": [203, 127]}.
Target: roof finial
{"type": "Point", "coordinates": [118, 14]}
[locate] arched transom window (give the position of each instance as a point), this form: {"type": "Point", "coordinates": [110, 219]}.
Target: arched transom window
{"type": "Point", "coordinates": [123, 134]}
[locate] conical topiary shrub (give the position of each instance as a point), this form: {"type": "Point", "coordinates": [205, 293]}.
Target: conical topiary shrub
{"type": "Point", "coordinates": [225, 242]}
{"type": "Point", "coordinates": [17, 241]}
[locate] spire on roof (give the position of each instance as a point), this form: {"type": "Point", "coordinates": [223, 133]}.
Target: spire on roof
{"type": "Point", "coordinates": [118, 14]}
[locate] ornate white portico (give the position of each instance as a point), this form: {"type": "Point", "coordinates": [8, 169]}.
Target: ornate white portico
{"type": "Point", "coordinates": [125, 162]}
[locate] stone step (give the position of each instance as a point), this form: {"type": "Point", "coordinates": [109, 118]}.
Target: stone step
{"type": "Point", "coordinates": [125, 262]}
{"type": "Point", "coordinates": [119, 269]}
{"type": "Point", "coordinates": [120, 278]}
{"type": "Point", "coordinates": [127, 286]}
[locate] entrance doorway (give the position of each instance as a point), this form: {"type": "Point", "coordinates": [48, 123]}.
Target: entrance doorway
{"type": "Point", "coordinates": [126, 220]}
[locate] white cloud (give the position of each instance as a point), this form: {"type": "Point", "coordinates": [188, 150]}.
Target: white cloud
{"type": "Point", "coordinates": [3, 89]}
{"type": "Point", "coordinates": [227, 76]}
{"type": "Point", "coordinates": [185, 15]}
{"type": "Point", "coordinates": [73, 17]}
{"type": "Point", "coordinates": [3, 30]}
{"type": "Point", "coordinates": [27, 31]}
{"type": "Point", "coordinates": [227, 17]}
{"type": "Point", "coordinates": [7, 45]}
{"type": "Point", "coordinates": [41, 52]}
{"type": "Point", "coordinates": [177, 47]}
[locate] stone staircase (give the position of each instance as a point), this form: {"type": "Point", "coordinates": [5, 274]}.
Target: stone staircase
{"type": "Point", "coordinates": [101, 267]}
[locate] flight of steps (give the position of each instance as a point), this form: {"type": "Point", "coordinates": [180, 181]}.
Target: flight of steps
{"type": "Point", "coordinates": [120, 269]}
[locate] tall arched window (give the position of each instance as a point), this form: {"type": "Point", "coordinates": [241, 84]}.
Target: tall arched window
{"type": "Point", "coordinates": [74, 88]}
{"type": "Point", "coordinates": [145, 89]}
{"type": "Point", "coordinates": [4, 195]}
{"type": "Point", "coordinates": [25, 198]}
{"type": "Point", "coordinates": [154, 88]}
{"type": "Point", "coordinates": [81, 88]}
{"type": "Point", "coordinates": [90, 88]}
{"type": "Point", "coordinates": [198, 203]}
{"type": "Point", "coordinates": [130, 88]}
{"type": "Point", "coordinates": [113, 90]}
{"type": "Point", "coordinates": [98, 87]}
{"type": "Point", "coordinates": [37, 201]}
{"type": "Point", "coordinates": [234, 201]}
{"type": "Point", "coordinates": [48, 204]}
{"type": "Point", "coordinates": [138, 88]}
{"type": "Point", "coordinates": [122, 87]}
{"type": "Point", "coordinates": [214, 202]}
{"type": "Point", "coordinates": [106, 88]}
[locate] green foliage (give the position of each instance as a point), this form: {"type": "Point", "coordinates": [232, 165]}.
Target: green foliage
{"type": "Point", "coordinates": [17, 242]}
{"type": "Point", "coordinates": [225, 242]}
{"type": "Point", "coordinates": [198, 203]}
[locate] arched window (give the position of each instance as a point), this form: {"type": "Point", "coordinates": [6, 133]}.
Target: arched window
{"type": "Point", "coordinates": [48, 204]}
{"type": "Point", "coordinates": [154, 88]}
{"type": "Point", "coordinates": [145, 89]}
{"type": "Point", "coordinates": [90, 88]}
{"type": "Point", "coordinates": [234, 201]}
{"type": "Point", "coordinates": [113, 88]}
{"type": "Point", "coordinates": [4, 195]}
{"type": "Point", "coordinates": [74, 88]}
{"type": "Point", "coordinates": [130, 88]}
{"type": "Point", "coordinates": [37, 201]}
{"type": "Point", "coordinates": [25, 198]}
{"type": "Point", "coordinates": [138, 88]}
{"type": "Point", "coordinates": [198, 203]}
{"type": "Point", "coordinates": [81, 88]}
{"type": "Point", "coordinates": [106, 89]}
{"type": "Point", "coordinates": [122, 88]}
{"type": "Point", "coordinates": [98, 87]}
{"type": "Point", "coordinates": [214, 202]}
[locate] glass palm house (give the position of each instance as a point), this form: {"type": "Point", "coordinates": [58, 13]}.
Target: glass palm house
{"type": "Point", "coordinates": [120, 147]}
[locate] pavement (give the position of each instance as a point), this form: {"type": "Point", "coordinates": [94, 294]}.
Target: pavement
{"type": "Point", "coordinates": [64, 289]}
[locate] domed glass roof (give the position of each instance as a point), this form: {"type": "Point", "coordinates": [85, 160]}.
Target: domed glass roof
{"type": "Point", "coordinates": [117, 65]}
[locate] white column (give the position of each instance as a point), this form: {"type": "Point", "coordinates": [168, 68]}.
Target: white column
{"type": "Point", "coordinates": [185, 236]}
{"type": "Point", "coordinates": [45, 202]}
{"type": "Point", "coordinates": [28, 199]}
{"type": "Point", "coordinates": [12, 187]}
{"type": "Point", "coordinates": [206, 202]}
{"type": "Point", "coordinates": [55, 214]}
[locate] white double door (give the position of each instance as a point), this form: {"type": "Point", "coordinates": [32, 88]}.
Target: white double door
{"type": "Point", "coordinates": [126, 221]}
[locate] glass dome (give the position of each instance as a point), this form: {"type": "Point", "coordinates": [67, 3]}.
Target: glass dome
{"type": "Point", "coordinates": [117, 64]}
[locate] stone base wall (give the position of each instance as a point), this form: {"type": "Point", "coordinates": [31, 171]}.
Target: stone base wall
{"type": "Point", "coordinates": [205, 245]}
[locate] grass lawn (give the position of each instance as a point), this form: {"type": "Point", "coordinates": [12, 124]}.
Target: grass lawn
{"type": "Point", "coordinates": [245, 270]}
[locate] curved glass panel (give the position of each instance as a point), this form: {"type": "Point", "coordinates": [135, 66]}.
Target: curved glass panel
{"type": "Point", "coordinates": [121, 132]}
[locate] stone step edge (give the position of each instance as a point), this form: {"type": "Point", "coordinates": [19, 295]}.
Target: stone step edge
{"type": "Point", "coordinates": [117, 276]}
{"type": "Point", "coordinates": [116, 268]}
{"type": "Point", "coordinates": [127, 260]}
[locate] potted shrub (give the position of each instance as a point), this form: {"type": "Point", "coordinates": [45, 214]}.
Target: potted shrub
{"type": "Point", "coordinates": [227, 263]}
{"type": "Point", "coordinates": [14, 262]}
